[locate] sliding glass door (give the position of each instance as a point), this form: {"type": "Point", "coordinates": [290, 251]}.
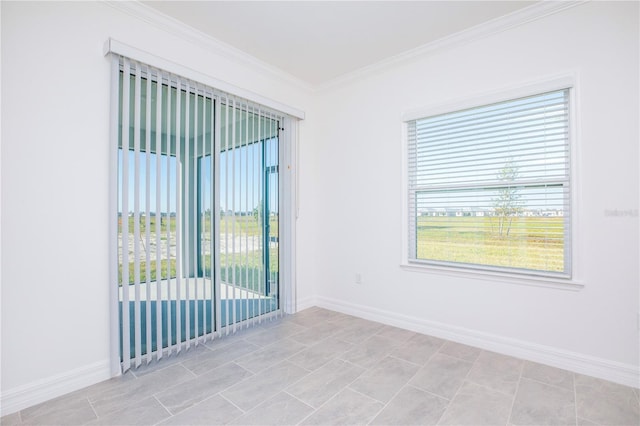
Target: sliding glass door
{"type": "Point", "coordinates": [198, 213]}
{"type": "Point", "coordinates": [248, 220]}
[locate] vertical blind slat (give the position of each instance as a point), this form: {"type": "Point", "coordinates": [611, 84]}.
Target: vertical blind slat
{"type": "Point", "coordinates": [254, 202]}
{"type": "Point", "coordinates": [234, 221]}
{"type": "Point", "coordinates": [169, 323]}
{"type": "Point", "coordinates": [245, 178]}
{"type": "Point", "coordinates": [194, 214]}
{"type": "Point", "coordinates": [202, 220]}
{"type": "Point", "coordinates": [212, 222]}
{"type": "Point", "coordinates": [216, 227]}
{"type": "Point", "coordinates": [115, 228]}
{"type": "Point", "coordinates": [226, 214]}
{"type": "Point", "coordinates": [147, 220]}
{"type": "Point", "coordinates": [260, 272]}
{"type": "Point", "coordinates": [187, 219]}
{"type": "Point", "coordinates": [136, 217]}
{"type": "Point", "coordinates": [273, 206]}
{"type": "Point", "coordinates": [158, 216]}
{"type": "Point", "coordinates": [124, 218]}
{"type": "Point", "coordinates": [233, 213]}
{"type": "Point", "coordinates": [179, 206]}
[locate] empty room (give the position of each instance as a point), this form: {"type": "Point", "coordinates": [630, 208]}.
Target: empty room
{"type": "Point", "coordinates": [320, 213]}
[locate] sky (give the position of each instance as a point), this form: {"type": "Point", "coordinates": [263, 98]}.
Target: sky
{"type": "Point", "coordinates": [241, 179]}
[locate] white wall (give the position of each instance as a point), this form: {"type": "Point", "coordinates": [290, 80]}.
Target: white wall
{"type": "Point", "coordinates": [358, 148]}
{"type": "Point", "coordinates": [55, 184]}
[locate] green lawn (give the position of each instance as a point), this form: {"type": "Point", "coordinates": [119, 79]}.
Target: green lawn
{"type": "Point", "coordinates": [244, 269]}
{"type": "Point", "coordinates": [532, 242]}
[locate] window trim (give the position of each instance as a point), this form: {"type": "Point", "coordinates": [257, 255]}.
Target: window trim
{"type": "Point", "coordinates": [552, 83]}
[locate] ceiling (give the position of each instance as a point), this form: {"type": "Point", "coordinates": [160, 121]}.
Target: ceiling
{"type": "Point", "coordinates": [318, 41]}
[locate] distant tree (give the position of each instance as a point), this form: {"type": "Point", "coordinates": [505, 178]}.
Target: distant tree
{"type": "Point", "coordinates": [507, 204]}
{"type": "Point", "coordinates": [258, 212]}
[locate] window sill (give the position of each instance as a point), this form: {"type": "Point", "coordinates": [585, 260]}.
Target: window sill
{"type": "Point", "coordinates": [500, 277]}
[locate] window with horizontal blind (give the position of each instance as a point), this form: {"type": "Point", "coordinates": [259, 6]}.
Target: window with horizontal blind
{"type": "Point", "coordinates": [489, 187]}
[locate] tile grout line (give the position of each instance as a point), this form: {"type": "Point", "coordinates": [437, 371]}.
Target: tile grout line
{"type": "Point", "coordinates": [253, 376]}
{"type": "Point", "coordinates": [459, 387]}
{"type": "Point", "coordinates": [421, 389]}
{"type": "Point", "coordinates": [515, 394]}
{"type": "Point", "coordinates": [302, 378]}
{"type": "Point", "coordinates": [406, 385]}
{"type": "Point", "coordinates": [459, 357]}
{"type": "Point", "coordinates": [487, 386]}
{"type": "Point", "coordinates": [194, 406]}
{"type": "Point", "coordinates": [366, 396]}
{"type": "Point", "coordinates": [298, 399]}
{"type": "Point", "coordinates": [90, 405]}
{"type": "Point", "coordinates": [429, 392]}
{"type": "Point", "coordinates": [363, 394]}
{"type": "Point", "coordinates": [232, 403]}
{"type": "Point", "coordinates": [165, 408]}
{"type": "Point", "coordinates": [313, 409]}
{"type": "Point", "coordinates": [437, 352]}
{"type": "Point", "coordinates": [337, 356]}
{"type": "Point", "coordinates": [385, 404]}
{"type": "Point", "coordinates": [575, 397]}
{"type": "Point", "coordinates": [549, 384]}
{"type": "Point", "coordinates": [196, 377]}
{"type": "Point", "coordinates": [410, 362]}
{"type": "Point", "coordinates": [337, 392]}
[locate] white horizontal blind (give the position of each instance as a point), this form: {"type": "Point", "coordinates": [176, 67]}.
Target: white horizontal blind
{"type": "Point", "coordinates": [489, 187]}
{"type": "Point", "coordinates": [197, 208]}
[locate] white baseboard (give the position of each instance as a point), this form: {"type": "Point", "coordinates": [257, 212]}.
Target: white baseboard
{"type": "Point", "coordinates": [16, 399]}
{"type": "Point", "coordinates": [305, 303]}
{"type": "Point", "coordinates": [625, 374]}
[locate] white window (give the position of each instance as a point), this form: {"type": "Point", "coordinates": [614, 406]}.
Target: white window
{"type": "Point", "coordinates": [489, 187]}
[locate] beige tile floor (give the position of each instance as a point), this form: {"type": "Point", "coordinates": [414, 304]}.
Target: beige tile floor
{"type": "Point", "coordinates": [320, 367]}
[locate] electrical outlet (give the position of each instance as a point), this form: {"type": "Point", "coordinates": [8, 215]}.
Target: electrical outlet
{"type": "Point", "coordinates": [358, 278]}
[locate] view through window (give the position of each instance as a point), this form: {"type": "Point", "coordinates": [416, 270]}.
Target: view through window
{"type": "Point", "coordinates": [198, 203]}
{"type": "Point", "coordinates": [489, 187]}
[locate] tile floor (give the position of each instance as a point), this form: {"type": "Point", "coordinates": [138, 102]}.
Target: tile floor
{"type": "Point", "coordinates": [320, 367]}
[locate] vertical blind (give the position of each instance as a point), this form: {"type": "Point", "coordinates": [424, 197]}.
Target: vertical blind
{"type": "Point", "coordinates": [489, 187]}
{"type": "Point", "coordinates": [198, 213]}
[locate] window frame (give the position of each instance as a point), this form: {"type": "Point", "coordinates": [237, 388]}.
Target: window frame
{"type": "Point", "coordinates": [569, 281]}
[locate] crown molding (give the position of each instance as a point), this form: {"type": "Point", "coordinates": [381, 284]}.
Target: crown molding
{"type": "Point", "coordinates": [523, 16]}
{"type": "Point", "coordinates": [173, 26]}
{"type": "Point", "coordinates": [180, 29]}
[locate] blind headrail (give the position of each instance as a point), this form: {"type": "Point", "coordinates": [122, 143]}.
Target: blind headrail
{"type": "Point", "coordinates": [119, 48]}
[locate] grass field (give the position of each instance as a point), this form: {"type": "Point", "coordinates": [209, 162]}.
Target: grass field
{"type": "Point", "coordinates": [243, 224]}
{"type": "Point", "coordinates": [532, 242]}
{"type": "Point", "coordinates": [244, 267]}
